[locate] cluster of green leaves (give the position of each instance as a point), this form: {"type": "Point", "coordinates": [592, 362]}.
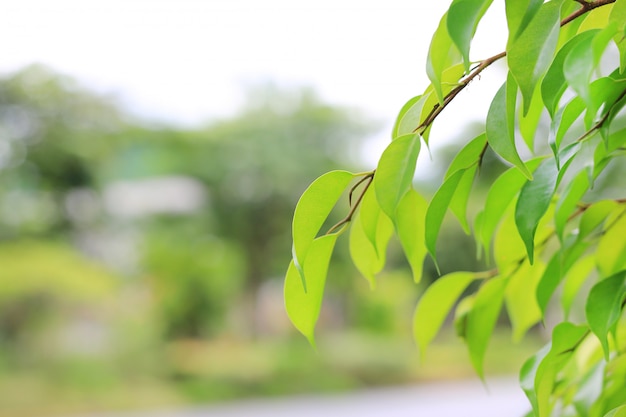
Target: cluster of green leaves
{"type": "Point", "coordinates": [541, 227]}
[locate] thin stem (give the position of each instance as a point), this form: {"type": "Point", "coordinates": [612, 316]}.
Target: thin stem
{"type": "Point", "coordinates": [368, 181]}
{"type": "Point", "coordinates": [603, 119]}
{"type": "Point", "coordinates": [585, 7]}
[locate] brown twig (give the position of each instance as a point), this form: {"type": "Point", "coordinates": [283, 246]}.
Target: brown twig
{"type": "Point", "coordinates": [368, 181]}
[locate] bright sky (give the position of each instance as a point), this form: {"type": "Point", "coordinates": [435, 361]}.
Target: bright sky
{"type": "Point", "coordinates": [188, 61]}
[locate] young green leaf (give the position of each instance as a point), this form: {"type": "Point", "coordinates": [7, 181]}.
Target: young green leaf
{"type": "Point", "coordinates": [370, 216]}
{"type": "Point", "coordinates": [533, 202]}
{"type": "Point", "coordinates": [499, 126]}
{"type": "Point", "coordinates": [528, 375]}
{"type": "Point", "coordinates": [594, 216]}
{"type": "Point", "coordinates": [410, 116]}
{"type": "Point", "coordinates": [311, 212]}
{"type": "Point", "coordinates": [567, 203]}
{"type": "Point", "coordinates": [520, 299]}
{"type": "Point", "coordinates": [410, 224]}
{"type": "Point", "coordinates": [303, 307]}
{"type": "Point", "coordinates": [468, 156]}
{"type": "Point", "coordinates": [366, 258]}
{"type": "Point", "coordinates": [611, 253]}
{"type": "Point", "coordinates": [394, 175]}
{"type": "Point", "coordinates": [554, 85]}
{"type": "Point", "coordinates": [530, 55]}
{"type": "Point", "coordinates": [562, 121]}
{"type": "Point", "coordinates": [604, 307]}
{"type": "Point", "coordinates": [574, 280]}
{"type": "Point", "coordinates": [463, 18]}
{"type": "Point", "coordinates": [437, 210]}
{"type": "Point", "coordinates": [435, 305]}
{"type": "Point", "coordinates": [528, 123]}
{"type": "Point", "coordinates": [482, 318]}
{"type": "Point", "coordinates": [442, 54]}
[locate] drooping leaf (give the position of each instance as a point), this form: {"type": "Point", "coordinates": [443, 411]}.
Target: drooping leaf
{"type": "Point", "coordinates": [463, 18]}
{"type": "Point", "coordinates": [482, 318]}
{"type": "Point", "coordinates": [533, 202]}
{"type": "Point", "coordinates": [366, 258]}
{"type": "Point", "coordinates": [437, 210]}
{"type": "Point", "coordinates": [500, 196]}
{"type": "Point", "coordinates": [499, 126]}
{"type": "Point", "coordinates": [435, 305]}
{"type": "Point", "coordinates": [509, 249]}
{"type": "Point", "coordinates": [519, 13]}
{"type": "Point", "coordinates": [567, 203]}
{"type": "Point", "coordinates": [528, 123]}
{"type": "Point", "coordinates": [410, 116]}
{"type": "Point", "coordinates": [311, 212]}
{"type": "Point", "coordinates": [521, 303]}
{"type": "Point", "coordinates": [303, 307]}
{"type": "Point", "coordinates": [611, 252]}
{"type": "Point", "coordinates": [468, 156]}
{"type": "Point", "coordinates": [530, 55]}
{"type": "Point", "coordinates": [394, 174]}
{"type": "Point", "coordinates": [562, 121]}
{"type": "Point", "coordinates": [604, 307]}
{"type": "Point", "coordinates": [528, 375]}
{"type": "Point", "coordinates": [410, 222]}
{"type": "Point", "coordinates": [442, 54]}
{"type": "Point", "coordinates": [554, 85]}
{"type": "Point", "coordinates": [369, 215]}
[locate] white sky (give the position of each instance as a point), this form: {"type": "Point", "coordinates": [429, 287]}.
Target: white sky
{"type": "Point", "coordinates": [187, 61]}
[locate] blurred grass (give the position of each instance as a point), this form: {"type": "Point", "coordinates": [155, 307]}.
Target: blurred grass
{"type": "Point", "coordinates": [223, 370]}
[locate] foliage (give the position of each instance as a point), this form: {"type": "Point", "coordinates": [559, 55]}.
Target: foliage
{"type": "Point", "coordinates": [547, 225]}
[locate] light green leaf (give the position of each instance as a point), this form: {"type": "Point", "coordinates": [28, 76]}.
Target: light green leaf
{"type": "Point", "coordinates": [468, 156]}
{"type": "Point", "coordinates": [611, 253]}
{"type": "Point", "coordinates": [528, 123]}
{"type": "Point", "coordinates": [410, 116]}
{"type": "Point", "coordinates": [500, 196]}
{"type": "Point", "coordinates": [303, 307]}
{"type": "Point", "coordinates": [583, 59]}
{"type": "Point", "coordinates": [394, 175]}
{"type": "Point", "coordinates": [533, 202]}
{"type": "Point", "coordinates": [435, 305]}
{"type": "Point", "coordinates": [482, 318]}
{"type": "Point", "coordinates": [528, 375]}
{"type": "Point", "coordinates": [596, 18]}
{"type": "Point", "coordinates": [594, 216]}
{"type": "Point", "coordinates": [437, 210]}
{"type": "Point", "coordinates": [562, 121]}
{"type": "Point", "coordinates": [463, 18]}
{"type": "Point", "coordinates": [519, 13]}
{"type": "Point", "coordinates": [500, 134]}
{"type": "Point", "coordinates": [366, 258]}
{"type": "Point", "coordinates": [574, 280]}
{"type": "Point", "coordinates": [569, 200]}
{"type": "Point", "coordinates": [369, 214]}
{"type": "Point", "coordinates": [509, 249]}
{"type": "Point", "coordinates": [618, 16]}
{"type": "Point", "coordinates": [617, 412]}
{"type": "Point", "coordinates": [442, 54]}
{"type": "Point", "coordinates": [604, 307]}
{"type": "Point", "coordinates": [520, 299]}
{"type": "Point", "coordinates": [553, 85]}
{"type": "Point", "coordinates": [311, 212]}
{"type": "Point", "coordinates": [410, 221]}
{"type": "Point", "coordinates": [530, 55]}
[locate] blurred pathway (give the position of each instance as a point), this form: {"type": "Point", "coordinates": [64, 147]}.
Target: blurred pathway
{"type": "Point", "coordinates": [465, 398]}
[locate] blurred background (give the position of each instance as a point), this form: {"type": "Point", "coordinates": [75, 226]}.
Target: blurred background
{"type": "Point", "coordinates": [151, 155]}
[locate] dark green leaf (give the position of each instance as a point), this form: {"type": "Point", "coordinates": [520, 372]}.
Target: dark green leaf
{"type": "Point", "coordinates": [303, 307]}
{"type": "Point", "coordinates": [435, 305]}
{"type": "Point", "coordinates": [533, 202]}
{"type": "Point", "coordinates": [394, 175]}
{"type": "Point", "coordinates": [604, 307]}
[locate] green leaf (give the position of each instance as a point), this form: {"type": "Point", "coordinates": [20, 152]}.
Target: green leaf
{"type": "Point", "coordinates": [574, 280]}
{"type": "Point", "coordinates": [530, 55]}
{"type": "Point", "coordinates": [410, 222]}
{"type": "Point", "coordinates": [528, 375]}
{"type": "Point", "coordinates": [500, 129]}
{"type": "Point", "coordinates": [435, 304]}
{"type": "Point", "coordinates": [618, 16]}
{"type": "Point", "coordinates": [554, 85]}
{"type": "Point", "coordinates": [520, 298]}
{"type": "Point", "coordinates": [594, 216]}
{"type": "Point", "coordinates": [569, 200]}
{"type": "Point", "coordinates": [437, 210]}
{"type": "Point", "coordinates": [442, 54]}
{"type": "Point", "coordinates": [303, 307]}
{"type": "Point", "coordinates": [611, 252]}
{"type": "Point", "coordinates": [463, 18]}
{"type": "Point", "coordinates": [533, 202]}
{"type": "Point", "coordinates": [410, 116]}
{"type": "Point", "coordinates": [528, 123]}
{"type": "Point", "coordinates": [617, 412]}
{"type": "Point", "coordinates": [370, 216]}
{"type": "Point", "coordinates": [604, 307]}
{"type": "Point", "coordinates": [519, 13]}
{"type": "Point", "coordinates": [482, 318]}
{"type": "Point", "coordinates": [500, 196]}
{"type": "Point", "coordinates": [366, 258]}
{"type": "Point", "coordinates": [394, 175]}
{"type": "Point", "coordinates": [562, 121]}
{"type": "Point", "coordinates": [311, 212]}
{"type": "Point", "coordinates": [583, 59]}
